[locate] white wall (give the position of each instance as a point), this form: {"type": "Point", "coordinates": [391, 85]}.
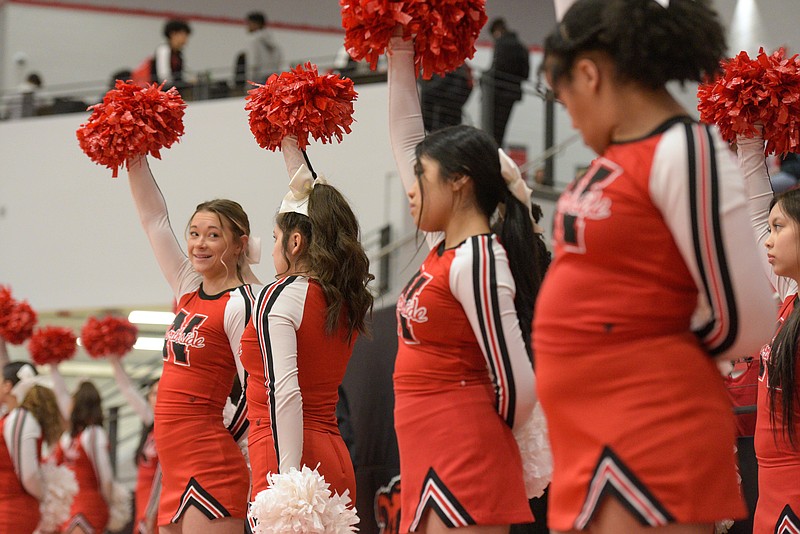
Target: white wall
{"type": "Point", "coordinates": [69, 236]}
{"type": "Point", "coordinates": [74, 46]}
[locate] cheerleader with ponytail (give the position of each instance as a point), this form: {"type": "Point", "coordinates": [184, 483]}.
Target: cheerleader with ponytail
{"type": "Point", "coordinates": [301, 336]}
{"type": "Point", "coordinates": [30, 497]}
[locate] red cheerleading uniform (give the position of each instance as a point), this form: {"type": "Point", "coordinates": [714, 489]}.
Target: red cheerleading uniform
{"type": "Point", "coordinates": [20, 454]}
{"type": "Point", "coordinates": [462, 377]}
{"type": "Point", "coordinates": [294, 370]}
{"type": "Point", "coordinates": [778, 505]}
{"type": "Point", "coordinates": [653, 275]}
{"type": "Point", "coordinates": [86, 455]}
{"type": "Point", "coordinates": [201, 463]}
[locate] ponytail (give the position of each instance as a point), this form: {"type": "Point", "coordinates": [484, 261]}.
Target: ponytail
{"type": "Point", "coordinates": [338, 260]}
{"type": "Point", "coordinates": [335, 255]}
{"type": "Point", "coordinates": [41, 403]}
{"type": "Point", "coordinates": [527, 261]}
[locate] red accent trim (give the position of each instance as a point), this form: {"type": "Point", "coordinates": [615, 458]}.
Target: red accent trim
{"type": "Point", "coordinates": [787, 526]}
{"type": "Point", "coordinates": [713, 265]}
{"type": "Point", "coordinates": [491, 327]}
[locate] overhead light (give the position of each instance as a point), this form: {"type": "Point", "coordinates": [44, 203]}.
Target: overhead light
{"type": "Point", "coordinates": [151, 317]}
{"type": "Point", "coordinates": [149, 343]}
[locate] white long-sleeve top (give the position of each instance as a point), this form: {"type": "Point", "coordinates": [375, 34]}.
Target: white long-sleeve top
{"type": "Point", "coordinates": [21, 434]}
{"type": "Point", "coordinates": [750, 152]}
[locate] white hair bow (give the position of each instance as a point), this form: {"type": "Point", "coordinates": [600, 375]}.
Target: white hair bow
{"type": "Point", "coordinates": [27, 379]}
{"type": "Point", "coordinates": [300, 187]}
{"type": "Point", "coordinates": [253, 252]}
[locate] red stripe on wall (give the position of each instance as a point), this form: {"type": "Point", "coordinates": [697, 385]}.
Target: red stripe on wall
{"type": "Point", "coordinates": [170, 14]}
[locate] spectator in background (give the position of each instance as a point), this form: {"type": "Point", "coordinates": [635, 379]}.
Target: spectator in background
{"type": "Point", "coordinates": [502, 83]}
{"type": "Point", "coordinates": [789, 174]}
{"type": "Point", "coordinates": [262, 56]}
{"type": "Point", "coordinates": [25, 102]}
{"type": "Point", "coordinates": [168, 58]}
{"type": "Point", "coordinates": [443, 98]}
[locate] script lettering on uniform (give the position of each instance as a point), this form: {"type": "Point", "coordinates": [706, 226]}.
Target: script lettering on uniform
{"type": "Point", "coordinates": [409, 310]}
{"type": "Point", "coordinates": [583, 201]}
{"type": "Point", "coordinates": [182, 336]}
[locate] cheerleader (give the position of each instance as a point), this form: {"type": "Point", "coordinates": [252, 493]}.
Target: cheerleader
{"type": "Point", "coordinates": [776, 221]}
{"type": "Point", "coordinates": [463, 377]}
{"type": "Point", "coordinates": [304, 325]}
{"type": "Point", "coordinates": [84, 450]}
{"type": "Point", "coordinates": [652, 279]}
{"type": "Point", "coordinates": [25, 428]}
{"type": "Point", "coordinates": [146, 456]}
{"type": "Point", "coordinates": [205, 478]}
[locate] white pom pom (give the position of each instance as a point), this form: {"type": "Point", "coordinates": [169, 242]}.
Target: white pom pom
{"type": "Point", "coordinates": [60, 488]}
{"type": "Point", "coordinates": [300, 501]}
{"type": "Point", "coordinates": [119, 511]}
{"type": "Point", "coordinates": [534, 449]}
{"type": "Point", "coordinates": [228, 412]}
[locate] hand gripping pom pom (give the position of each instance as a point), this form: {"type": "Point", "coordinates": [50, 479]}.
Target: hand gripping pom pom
{"type": "Point", "coordinates": [110, 336]}
{"type": "Point", "coordinates": [17, 321]}
{"type": "Point", "coordinates": [300, 501]}
{"type": "Point", "coordinates": [60, 488]}
{"type": "Point", "coordinates": [132, 121]}
{"type": "Point", "coordinates": [444, 30]}
{"type": "Point", "coordinates": [534, 449]}
{"type": "Point", "coordinates": [368, 25]}
{"type": "Point", "coordinates": [764, 90]}
{"type": "Point", "coordinates": [301, 103]}
{"type": "Point", "coordinates": [52, 344]}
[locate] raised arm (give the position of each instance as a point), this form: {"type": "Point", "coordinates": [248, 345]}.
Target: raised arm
{"type": "Point", "coordinates": [134, 398]}
{"type": "Point", "coordinates": [750, 152]}
{"type": "Point", "coordinates": [406, 129]}
{"type": "Point", "coordinates": [278, 314]}
{"type": "Point", "coordinates": [21, 433]}
{"type": "Point", "coordinates": [152, 210]}
{"type": "Point", "coordinates": [95, 442]}
{"type": "Point", "coordinates": [63, 398]}
{"type": "Point", "coordinates": [703, 203]}
{"type": "Point", "coordinates": [487, 296]}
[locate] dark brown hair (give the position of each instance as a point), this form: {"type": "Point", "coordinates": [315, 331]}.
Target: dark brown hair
{"type": "Point", "coordinates": [334, 254]}
{"type": "Point", "coordinates": [87, 408]}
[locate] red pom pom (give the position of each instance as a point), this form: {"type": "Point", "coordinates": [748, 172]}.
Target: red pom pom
{"type": "Point", "coordinates": [108, 336]}
{"type": "Point", "coordinates": [6, 302]}
{"type": "Point", "coordinates": [445, 32]}
{"type": "Point", "coordinates": [52, 344]}
{"type": "Point", "coordinates": [132, 121]}
{"type": "Point", "coordinates": [763, 90]}
{"type": "Point", "coordinates": [16, 325]}
{"type": "Point", "coordinates": [368, 25]}
{"type": "Point", "coordinates": [301, 102]}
